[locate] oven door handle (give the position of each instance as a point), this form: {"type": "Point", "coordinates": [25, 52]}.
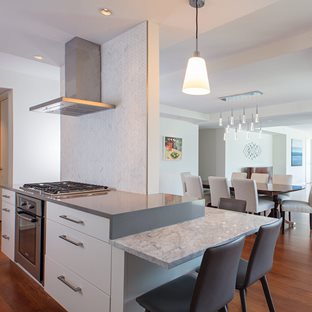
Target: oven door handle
{"type": "Point", "coordinates": [32, 220]}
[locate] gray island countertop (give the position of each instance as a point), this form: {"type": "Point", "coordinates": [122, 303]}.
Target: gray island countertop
{"type": "Point", "coordinates": [111, 203]}
{"type": "Point", "coordinates": [130, 213]}
{"type": "Point", "coordinates": [175, 244]}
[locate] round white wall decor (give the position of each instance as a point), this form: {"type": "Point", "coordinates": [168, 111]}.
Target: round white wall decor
{"type": "Point", "coordinates": [252, 150]}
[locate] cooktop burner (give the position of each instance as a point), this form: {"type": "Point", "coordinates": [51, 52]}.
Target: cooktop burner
{"type": "Point", "coordinates": [64, 188]}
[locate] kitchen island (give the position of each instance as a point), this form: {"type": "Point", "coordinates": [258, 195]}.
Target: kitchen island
{"type": "Point", "coordinates": [103, 251]}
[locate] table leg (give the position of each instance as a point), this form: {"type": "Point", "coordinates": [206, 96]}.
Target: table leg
{"type": "Point", "coordinates": [275, 213]}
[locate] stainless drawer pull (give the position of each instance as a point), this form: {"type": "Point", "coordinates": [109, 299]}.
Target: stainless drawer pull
{"type": "Point", "coordinates": [6, 209]}
{"type": "Point", "coordinates": [71, 241]}
{"type": "Point", "coordinates": [5, 236]}
{"type": "Point", "coordinates": [72, 287]}
{"type": "Point", "coordinates": [72, 220]}
{"type": "Point", "coordinates": [6, 196]}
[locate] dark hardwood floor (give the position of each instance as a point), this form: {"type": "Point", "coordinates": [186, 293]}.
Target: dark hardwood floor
{"type": "Point", "coordinates": [20, 293]}
{"type": "Point", "coordinates": [290, 280]}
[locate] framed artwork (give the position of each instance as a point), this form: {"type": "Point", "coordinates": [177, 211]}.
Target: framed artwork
{"type": "Point", "coordinates": [172, 148]}
{"type": "Point", "coordinates": [296, 152]}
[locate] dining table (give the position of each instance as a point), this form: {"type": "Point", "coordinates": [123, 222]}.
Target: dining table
{"type": "Point", "coordinates": [271, 190]}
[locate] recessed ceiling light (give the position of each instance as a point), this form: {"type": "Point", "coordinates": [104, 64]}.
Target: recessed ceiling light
{"type": "Point", "coordinates": [106, 12]}
{"type": "Point", "coordinates": [38, 57]}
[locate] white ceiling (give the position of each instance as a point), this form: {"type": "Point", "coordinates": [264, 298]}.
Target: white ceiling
{"type": "Point", "coordinates": [249, 45]}
{"type": "Point", "coordinates": [41, 27]}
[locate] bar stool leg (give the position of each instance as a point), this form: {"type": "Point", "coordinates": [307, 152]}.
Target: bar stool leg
{"type": "Point", "coordinates": [267, 293]}
{"type": "Point", "coordinates": [243, 300]}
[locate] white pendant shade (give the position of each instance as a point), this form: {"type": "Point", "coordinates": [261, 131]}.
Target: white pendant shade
{"type": "Point", "coordinates": [196, 78]}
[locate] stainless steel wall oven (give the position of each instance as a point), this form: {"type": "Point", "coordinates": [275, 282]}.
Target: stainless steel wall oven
{"type": "Point", "coordinates": [29, 234]}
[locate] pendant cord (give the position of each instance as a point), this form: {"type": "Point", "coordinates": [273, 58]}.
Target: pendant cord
{"type": "Point", "coordinates": [196, 25]}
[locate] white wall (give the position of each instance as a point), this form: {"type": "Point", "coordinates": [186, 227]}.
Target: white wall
{"type": "Point", "coordinates": [111, 147]}
{"type": "Point", "coordinates": [298, 172]}
{"type": "Point", "coordinates": [221, 158]}
{"type": "Point", "coordinates": [235, 157]}
{"type": "Point", "coordinates": [36, 136]}
{"type": "Point", "coordinates": [211, 153]}
{"type": "Point", "coordinates": [279, 153]}
{"type": "Point", "coordinates": [170, 180]}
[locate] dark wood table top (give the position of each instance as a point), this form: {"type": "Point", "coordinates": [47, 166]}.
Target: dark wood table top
{"type": "Point", "coordinates": [272, 189]}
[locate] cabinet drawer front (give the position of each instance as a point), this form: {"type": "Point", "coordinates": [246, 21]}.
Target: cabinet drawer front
{"type": "Point", "coordinates": [73, 292]}
{"type": "Point", "coordinates": [87, 223]}
{"type": "Point", "coordinates": [8, 196]}
{"type": "Point", "coordinates": [90, 258]}
{"type": "Point", "coordinates": [8, 214]}
{"type": "Point", "coordinates": [7, 240]}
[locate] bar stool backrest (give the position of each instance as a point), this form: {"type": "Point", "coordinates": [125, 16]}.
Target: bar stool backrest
{"type": "Point", "coordinates": [215, 285]}
{"type": "Point", "coordinates": [233, 204]}
{"type": "Point", "coordinates": [261, 258]}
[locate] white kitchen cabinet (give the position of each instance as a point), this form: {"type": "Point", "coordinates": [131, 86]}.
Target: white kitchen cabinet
{"type": "Point", "coordinates": [74, 293]}
{"type": "Point", "coordinates": [8, 223]}
{"type": "Point", "coordinates": [87, 223]}
{"type": "Point", "coordinates": [78, 259]}
{"type": "Point", "coordinates": [85, 255]}
{"type": "Point", "coordinates": [8, 197]}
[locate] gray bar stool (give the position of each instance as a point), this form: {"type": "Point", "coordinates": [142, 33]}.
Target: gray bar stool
{"type": "Point", "coordinates": [211, 291]}
{"type": "Point", "coordinates": [260, 262]}
{"type": "Point", "coordinates": [233, 204]}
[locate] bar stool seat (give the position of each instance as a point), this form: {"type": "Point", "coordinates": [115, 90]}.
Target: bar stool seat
{"type": "Point", "coordinates": [175, 296]}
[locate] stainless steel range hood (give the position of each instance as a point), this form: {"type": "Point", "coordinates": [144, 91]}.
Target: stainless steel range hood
{"type": "Point", "coordinates": [82, 81]}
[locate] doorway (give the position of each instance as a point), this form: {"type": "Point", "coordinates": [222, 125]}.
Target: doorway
{"type": "Point", "coordinates": [6, 139]}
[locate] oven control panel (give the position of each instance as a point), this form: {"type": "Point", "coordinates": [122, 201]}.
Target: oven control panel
{"type": "Point", "coordinates": [29, 204]}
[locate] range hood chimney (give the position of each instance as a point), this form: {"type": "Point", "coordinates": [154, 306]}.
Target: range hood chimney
{"type": "Point", "coordinates": [82, 81]}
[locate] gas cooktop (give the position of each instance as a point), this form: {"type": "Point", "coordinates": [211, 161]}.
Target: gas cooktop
{"type": "Point", "coordinates": [65, 188]}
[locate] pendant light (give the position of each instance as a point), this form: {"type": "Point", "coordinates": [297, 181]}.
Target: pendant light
{"type": "Point", "coordinates": [220, 120]}
{"type": "Point", "coordinates": [196, 78]}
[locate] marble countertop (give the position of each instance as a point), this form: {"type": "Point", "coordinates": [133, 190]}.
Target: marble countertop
{"type": "Point", "coordinates": [113, 203]}
{"type": "Point", "coordinates": [175, 244]}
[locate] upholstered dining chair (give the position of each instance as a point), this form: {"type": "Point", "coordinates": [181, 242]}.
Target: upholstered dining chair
{"type": "Point", "coordinates": [282, 179]}
{"type": "Point", "coordinates": [297, 206]}
{"type": "Point", "coordinates": [238, 175]}
{"type": "Point", "coordinates": [194, 188]}
{"type": "Point", "coordinates": [211, 291]}
{"type": "Point", "coordinates": [183, 175]}
{"type": "Point", "coordinates": [218, 188]}
{"type": "Point", "coordinates": [260, 177]}
{"type": "Point", "coordinates": [247, 190]}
